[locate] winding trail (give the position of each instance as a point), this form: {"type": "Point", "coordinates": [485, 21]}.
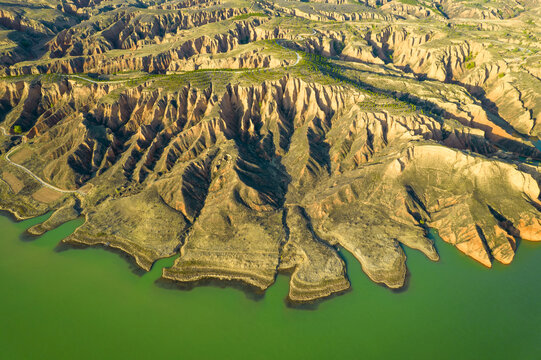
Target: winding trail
{"type": "Point", "coordinates": [29, 172]}
{"type": "Point", "coordinates": [98, 82]}
{"type": "Point", "coordinates": [5, 133]}
{"type": "Point", "coordinates": [301, 37]}
{"type": "Point", "coordinates": [298, 59]}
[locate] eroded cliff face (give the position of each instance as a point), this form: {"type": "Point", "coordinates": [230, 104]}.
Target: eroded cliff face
{"type": "Point", "coordinates": [129, 30]}
{"type": "Point", "coordinates": [497, 82]}
{"type": "Point", "coordinates": [324, 13]}
{"type": "Point", "coordinates": [448, 9]}
{"type": "Point", "coordinates": [68, 57]}
{"type": "Point", "coordinates": [246, 60]}
{"type": "Point", "coordinates": [408, 11]}
{"type": "Point", "coordinates": [268, 178]}
{"type": "Point", "coordinates": [487, 11]}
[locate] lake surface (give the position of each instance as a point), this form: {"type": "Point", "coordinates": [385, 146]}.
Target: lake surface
{"type": "Point", "coordinates": [88, 304]}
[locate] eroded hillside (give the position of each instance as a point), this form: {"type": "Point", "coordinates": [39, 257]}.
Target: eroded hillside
{"type": "Point", "coordinates": [252, 138]}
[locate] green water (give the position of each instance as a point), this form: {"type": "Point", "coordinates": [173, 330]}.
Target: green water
{"type": "Point", "coordinates": [87, 304]}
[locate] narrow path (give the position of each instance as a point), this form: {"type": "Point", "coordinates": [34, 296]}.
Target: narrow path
{"type": "Point", "coordinates": [29, 172]}
{"type": "Point", "coordinates": [298, 59]}
{"type": "Point", "coordinates": [301, 37]}
{"type": "Point", "coordinates": [5, 133]}
{"type": "Point", "coordinates": [37, 178]}
{"type": "Point", "coordinates": [98, 82]}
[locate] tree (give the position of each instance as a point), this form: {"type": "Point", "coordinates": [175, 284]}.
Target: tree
{"type": "Point", "coordinates": [17, 129]}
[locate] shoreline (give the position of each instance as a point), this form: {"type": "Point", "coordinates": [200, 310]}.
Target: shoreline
{"type": "Point", "coordinates": [250, 290]}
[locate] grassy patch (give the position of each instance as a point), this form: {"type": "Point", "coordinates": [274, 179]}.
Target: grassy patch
{"type": "Point", "coordinates": [409, 2]}
{"type": "Point", "coordinates": [249, 15]}
{"type": "Point", "coordinates": [380, 103]}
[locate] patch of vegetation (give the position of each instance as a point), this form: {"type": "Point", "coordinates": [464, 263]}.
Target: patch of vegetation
{"type": "Point", "coordinates": [409, 2]}
{"type": "Point", "coordinates": [50, 78]}
{"type": "Point", "coordinates": [321, 64]}
{"type": "Point", "coordinates": [249, 15]}
{"type": "Point", "coordinates": [387, 104]}
{"type": "Point", "coordinates": [469, 57]}
{"type": "Point", "coordinates": [338, 47]}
